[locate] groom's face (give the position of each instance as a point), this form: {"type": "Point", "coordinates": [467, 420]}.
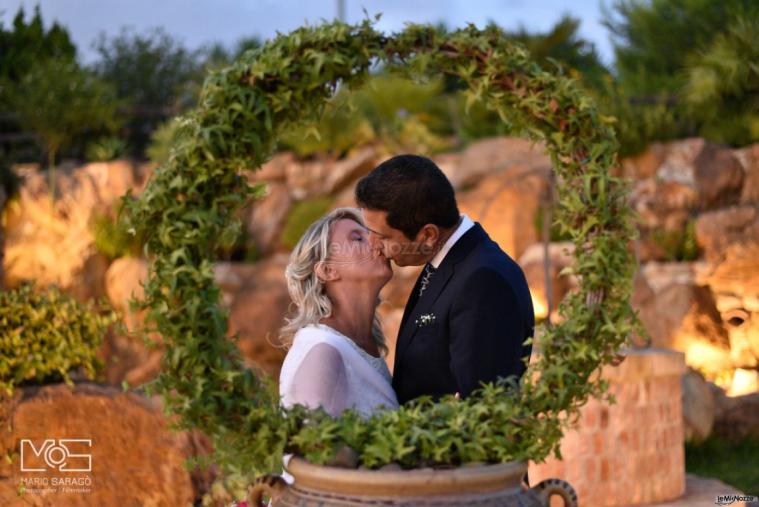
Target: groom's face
{"type": "Point", "coordinates": [394, 244]}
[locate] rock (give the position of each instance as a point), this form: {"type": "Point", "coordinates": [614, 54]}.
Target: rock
{"type": "Point", "coordinates": [684, 317]}
{"type": "Point", "coordinates": [739, 418]}
{"type": "Point", "coordinates": [123, 281]}
{"type": "Point", "coordinates": [257, 312]}
{"type": "Point", "coordinates": [449, 164]}
{"type": "Point", "coordinates": [719, 176]}
{"type": "Point", "coordinates": [134, 458]}
{"type": "Point", "coordinates": [560, 256]}
{"type": "Point", "coordinates": [717, 230]}
{"type": "Point", "coordinates": [306, 178]}
{"type": "Point", "coordinates": [112, 179]}
{"type": "Point", "coordinates": [275, 169]}
{"type": "Point", "coordinates": [735, 273]}
{"type": "Point", "coordinates": [256, 295]}
{"type": "Point", "coordinates": [745, 381]}
{"type": "Point", "coordinates": [749, 159]}
{"type": "Point", "coordinates": [342, 172]}
{"type": "Point", "coordinates": [645, 164]}
{"type": "Point", "coordinates": [127, 357]}
{"type": "Point", "coordinates": [506, 205]}
{"type": "Point", "coordinates": [490, 156]}
{"type": "Point", "coordinates": [743, 330]}
{"type": "Point", "coordinates": [663, 204]}
{"type": "Point", "coordinates": [710, 169]}
{"type": "Point", "coordinates": [51, 243]}
{"type": "Point", "coordinates": [660, 275]}
{"type": "Point", "coordinates": [267, 216]}
{"type": "Point", "coordinates": [698, 406]}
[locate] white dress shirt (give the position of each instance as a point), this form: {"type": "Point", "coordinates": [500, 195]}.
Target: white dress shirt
{"type": "Point", "coordinates": [465, 225]}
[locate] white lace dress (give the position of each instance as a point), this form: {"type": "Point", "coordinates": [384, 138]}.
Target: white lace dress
{"type": "Point", "coordinates": [326, 368]}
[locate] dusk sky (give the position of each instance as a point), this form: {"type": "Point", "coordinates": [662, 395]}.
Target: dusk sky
{"type": "Point", "coordinates": [199, 22]}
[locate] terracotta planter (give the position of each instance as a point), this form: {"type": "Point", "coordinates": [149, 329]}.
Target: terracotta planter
{"type": "Point", "coordinates": [486, 485]}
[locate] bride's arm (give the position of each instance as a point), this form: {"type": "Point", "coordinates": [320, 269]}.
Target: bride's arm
{"type": "Point", "coordinates": [321, 380]}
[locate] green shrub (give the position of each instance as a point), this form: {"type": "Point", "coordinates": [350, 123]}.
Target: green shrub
{"type": "Point", "coordinates": [45, 336]}
{"type": "Point", "coordinates": [726, 460]}
{"type": "Point", "coordinates": [105, 149]}
{"type": "Point", "coordinates": [303, 214]}
{"type": "Point", "coordinates": [161, 141]}
{"type": "Point", "coordinates": [556, 233]}
{"type": "Point", "coordinates": [112, 239]}
{"type": "Point", "coordinates": [677, 245]}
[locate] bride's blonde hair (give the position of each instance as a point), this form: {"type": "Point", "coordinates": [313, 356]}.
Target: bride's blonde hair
{"type": "Point", "coordinates": [306, 290]}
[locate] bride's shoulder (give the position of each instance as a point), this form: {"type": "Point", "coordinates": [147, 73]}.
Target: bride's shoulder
{"type": "Point", "coordinates": [310, 335]}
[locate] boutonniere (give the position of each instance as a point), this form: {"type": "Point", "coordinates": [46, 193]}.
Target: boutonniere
{"type": "Point", "coordinates": [425, 320]}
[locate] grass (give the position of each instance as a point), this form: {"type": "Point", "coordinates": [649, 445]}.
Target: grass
{"type": "Point", "coordinates": [735, 463]}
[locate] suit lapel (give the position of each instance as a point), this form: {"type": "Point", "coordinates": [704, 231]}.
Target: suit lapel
{"type": "Point", "coordinates": [416, 307]}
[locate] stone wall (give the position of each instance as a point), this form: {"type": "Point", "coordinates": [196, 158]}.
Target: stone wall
{"type": "Point", "coordinates": [631, 452]}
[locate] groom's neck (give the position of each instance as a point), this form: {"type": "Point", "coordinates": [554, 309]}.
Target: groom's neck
{"type": "Point", "coordinates": [445, 235]}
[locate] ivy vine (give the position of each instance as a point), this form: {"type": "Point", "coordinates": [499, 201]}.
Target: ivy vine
{"type": "Point", "coordinates": [187, 212]}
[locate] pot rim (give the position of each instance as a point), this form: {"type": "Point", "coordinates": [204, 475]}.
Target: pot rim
{"type": "Point", "coordinates": [416, 482]}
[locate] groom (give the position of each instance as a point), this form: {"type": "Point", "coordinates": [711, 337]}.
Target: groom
{"type": "Point", "coordinates": [470, 311]}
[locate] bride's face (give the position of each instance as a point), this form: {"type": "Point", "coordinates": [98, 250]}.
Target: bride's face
{"type": "Point", "coordinates": [352, 257]}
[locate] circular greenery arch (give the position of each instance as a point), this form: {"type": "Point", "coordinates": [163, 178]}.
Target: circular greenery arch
{"type": "Point", "coordinates": [187, 211]}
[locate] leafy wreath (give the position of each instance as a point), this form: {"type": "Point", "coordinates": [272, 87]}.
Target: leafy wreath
{"type": "Point", "coordinates": [188, 211]}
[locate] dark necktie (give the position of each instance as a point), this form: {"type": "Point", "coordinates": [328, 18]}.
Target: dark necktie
{"type": "Point", "coordinates": [429, 270]}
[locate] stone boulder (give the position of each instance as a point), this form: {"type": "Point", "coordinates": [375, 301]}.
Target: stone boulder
{"type": "Point", "coordinates": [749, 159]}
{"type": "Point", "coordinates": [644, 165]}
{"type": "Point", "coordinates": [127, 357]}
{"type": "Point", "coordinates": [51, 242]}
{"type": "Point", "coordinates": [506, 205]}
{"type": "Point", "coordinates": [737, 417]}
{"type": "Point", "coordinates": [134, 459]}
{"type": "Point", "coordinates": [490, 156]}
{"type": "Point", "coordinates": [663, 204]}
{"type": "Point", "coordinates": [257, 309]}
{"type": "Point", "coordinates": [254, 293]}
{"type": "Point", "coordinates": [720, 229]}
{"type": "Point", "coordinates": [275, 169]}
{"type": "Point", "coordinates": [710, 169]}
{"type": "Point", "coordinates": [698, 406]}
{"type": "Point", "coordinates": [684, 317]}
{"type": "Point", "coordinates": [266, 218]}
{"type": "Point", "coordinates": [305, 178]}
{"type": "Point", "coordinates": [349, 169]}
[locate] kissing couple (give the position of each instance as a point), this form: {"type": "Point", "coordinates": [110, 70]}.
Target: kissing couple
{"type": "Point", "coordinates": [466, 319]}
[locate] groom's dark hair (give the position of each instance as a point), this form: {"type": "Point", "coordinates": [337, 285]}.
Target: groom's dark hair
{"type": "Point", "coordinates": [412, 190]}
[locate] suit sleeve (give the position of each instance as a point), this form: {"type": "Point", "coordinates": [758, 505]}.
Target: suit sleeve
{"type": "Point", "coordinates": [486, 331]}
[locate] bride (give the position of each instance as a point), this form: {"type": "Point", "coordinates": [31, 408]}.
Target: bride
{"type": "Point", "coordinates": [336, 346]}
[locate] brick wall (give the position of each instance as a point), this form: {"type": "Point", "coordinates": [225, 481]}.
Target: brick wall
{"type": "Point", "coordinates": [630, 452]}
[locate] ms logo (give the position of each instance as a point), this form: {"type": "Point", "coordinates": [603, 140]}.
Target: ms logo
{"type": "Point", "coordinates": [63, 455]}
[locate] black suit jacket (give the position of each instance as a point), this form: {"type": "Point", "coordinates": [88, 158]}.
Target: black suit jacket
{"type": "Point", "coordinates": [483, 314]}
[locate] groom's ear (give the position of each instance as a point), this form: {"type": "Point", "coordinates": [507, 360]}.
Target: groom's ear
{"type": "Point", "coordinates": [427, 238]}
{"type": "Point", "coordinates": [325, 272]}
{"type": "Point", "coordinates": [428, 234]}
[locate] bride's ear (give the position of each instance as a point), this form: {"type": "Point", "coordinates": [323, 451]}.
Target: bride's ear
{"type": "Point", "coordinates": [325, 272]}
